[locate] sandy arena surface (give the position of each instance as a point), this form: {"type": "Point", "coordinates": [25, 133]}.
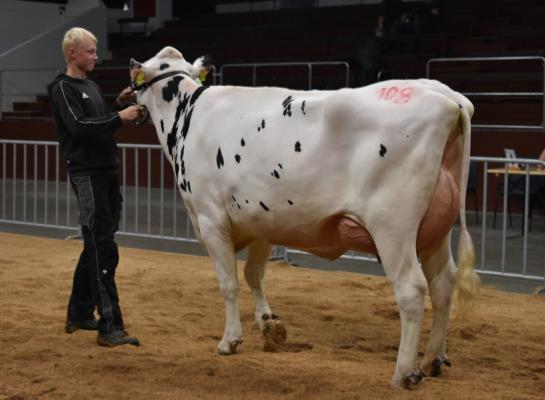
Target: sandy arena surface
{"type": "Point", "coordinates": [343, 330]}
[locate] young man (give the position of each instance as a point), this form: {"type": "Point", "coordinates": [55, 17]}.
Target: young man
{"type": "Point", "coordinates": [85, 132]}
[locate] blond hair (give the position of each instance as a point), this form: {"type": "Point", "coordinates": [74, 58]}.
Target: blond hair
{"type": "Point", "coordinates": [73, 38]}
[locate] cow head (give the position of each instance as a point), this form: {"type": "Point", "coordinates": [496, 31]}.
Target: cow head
{"type": "Point", "coordinates": [167, 63]}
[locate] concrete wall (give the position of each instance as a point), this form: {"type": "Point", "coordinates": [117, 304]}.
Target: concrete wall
{"type": "Point", "coordinates": [31, 54]}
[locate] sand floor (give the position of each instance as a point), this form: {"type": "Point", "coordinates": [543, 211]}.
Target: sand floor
{"type": "Point", "coordinates": [343, 328]}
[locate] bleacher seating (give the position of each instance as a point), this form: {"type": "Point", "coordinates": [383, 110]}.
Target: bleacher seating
{"type": "Point", "coordinates": [508, 27]}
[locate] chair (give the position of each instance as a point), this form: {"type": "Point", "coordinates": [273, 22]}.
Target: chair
{"type": "Point", "coordinates": [516, 188]}
{"type": "Point", "coordinates": [472, 187]}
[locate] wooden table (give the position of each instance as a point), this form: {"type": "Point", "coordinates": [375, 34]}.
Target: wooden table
{"type": "Point", "coordinates": [516, 171]}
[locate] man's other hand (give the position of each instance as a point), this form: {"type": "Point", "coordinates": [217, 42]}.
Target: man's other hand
{"type": "Point", "coordinates": [125, 97]}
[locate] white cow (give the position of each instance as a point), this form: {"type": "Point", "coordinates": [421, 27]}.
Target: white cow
{"type": "Point", "coordinates": [381, 169]}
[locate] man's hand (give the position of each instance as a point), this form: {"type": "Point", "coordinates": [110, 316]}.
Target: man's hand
{"type": "Point", "coordinates": [125, 97]}
{"type": "Point", "coordinates": [131, 113]}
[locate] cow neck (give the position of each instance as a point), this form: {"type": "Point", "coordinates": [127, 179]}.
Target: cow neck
{"type": "Point", "coordinates": [183, 104]}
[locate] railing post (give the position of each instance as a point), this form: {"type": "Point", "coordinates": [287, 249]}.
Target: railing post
{"type": "Point", "coordinates": [543, 98]}
{"type": "Point", "coordinates": [485, 201]}
{"type": "Point", "coordinates": [526, 218]}
{"type": "Point", "coordinates": [540, 127]}
{"type": "Point", "coordinates": [1, 94]}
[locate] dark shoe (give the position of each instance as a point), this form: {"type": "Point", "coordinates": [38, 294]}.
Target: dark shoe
{"type": "Point", "coordinates": [116, 338]}
{"type": "Point", "coordinates": [86, 325]}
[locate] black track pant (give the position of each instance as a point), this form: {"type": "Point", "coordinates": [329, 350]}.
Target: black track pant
{"type": "Point", "coordinates": [99, 201]}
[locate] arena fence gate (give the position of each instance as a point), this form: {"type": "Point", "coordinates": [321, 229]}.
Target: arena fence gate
{"type": "Point", "coordinates": [34, 191]}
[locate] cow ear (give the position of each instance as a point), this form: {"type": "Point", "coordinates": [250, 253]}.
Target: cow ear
{"type": "Point", "coordinates": [170, 52]}
{"type": "Point", "coordinates": [201, 66]}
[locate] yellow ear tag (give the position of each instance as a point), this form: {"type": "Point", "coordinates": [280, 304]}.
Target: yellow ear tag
{"type": "Point", "coordinates": [202, 75]}
{"type": "Point", "coordinates": [140, 78]}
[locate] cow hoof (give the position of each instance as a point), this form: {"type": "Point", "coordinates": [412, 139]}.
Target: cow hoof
{"type": "Point", "coordinates": [274, 333]}
{"type": "Point", "coordinates": [228, 348]}
{"type": "Point", "coordinates": [436, 366]}
{"type": "Point", "coordinates": [413, 379]}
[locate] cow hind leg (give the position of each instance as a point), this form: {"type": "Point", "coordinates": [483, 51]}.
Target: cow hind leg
{"type": "Point", "coordinates": [403, 269]}
{"type": "Point", "coordinates": [220, 249]}
{"type": "Point", "coordinates": [272, 328]}
{"type": "Point", "coordinates": [440, 273]}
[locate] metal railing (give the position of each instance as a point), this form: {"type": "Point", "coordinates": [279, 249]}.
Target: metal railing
{"type": "Point", "coordinates": [309, 65]}
{"type": "Point", "coordinates": [527, 169]}
{"type": "Point", "coordinates": [499, 94]}
{"type": "Point", "coordinates": [212, 73]}
{"type": "Point", "coordinates": [32, 94]}
{"type": "Point", "coordinates": [35, 191]}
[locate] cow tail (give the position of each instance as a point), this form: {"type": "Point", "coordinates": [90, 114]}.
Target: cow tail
{"type": "Point", "coordinates": [467, 280]}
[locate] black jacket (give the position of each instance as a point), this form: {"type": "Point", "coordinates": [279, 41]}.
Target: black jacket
{"type": "Point", "coordinates": [85, 128]}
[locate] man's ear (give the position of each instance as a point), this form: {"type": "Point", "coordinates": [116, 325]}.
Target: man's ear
{"type": "Point", "coordinates": [71, 53]}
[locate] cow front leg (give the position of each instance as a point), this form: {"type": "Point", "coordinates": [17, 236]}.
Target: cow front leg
{"type": "Point", "coordinates": [221, 251]}
{"type": "Point", "coordinates": [270, 325]}
{"type": "Point", "coordinates": [440, 273]}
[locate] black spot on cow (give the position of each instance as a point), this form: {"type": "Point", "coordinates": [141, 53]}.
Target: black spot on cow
{"type": "Point", "coordinates": [247, 202]}
{"type": "Point", "coordinates": [187, 120]}
{"type": "Point", "coordinates": [176, 169]}
{"type": "Point", "coordinates": [290, 202]}
{"type": "Point", "coordinates": [242, 142]}
{"type": "Point", "coordinates": [276, 174]}
{"type": "Point", "coordinates": [197, 93]}
{"type": "Point", "coordinates": [262, 124]}
{"type": "Point", "coordinates": [163, 66]}
{"type": "Point", "coordinates": [382, 150]}
{"type": "Point", "coordinates": [239, 207]}
{"type": "Point", "coordinates": [162, 127]}
{"type": "Point", "coordinates": [237, 158]}
{"type": "Point", "coordinates": [264, 206]}
{"type": "Point", "coordinates": [258, 128]}
{"type": "Point", "coordinates": [183, 167]}
{"type": "Point", "coordinates": [280, 165]}
{"type": "Point", "coordinates": [183, 186]}
{"type": "Point", "coordinates": [171, 90]}
{"type": "Point", "coordinates": [460, 106]}
{"type": "Point", "coordinates": [219, 159]}
{"type": "Point", "coordinates": [297, 147]}
{"type": "Point", "coordinates": [171, 138]}
{"type": "Point", "coordinates": [303, 108]}
{"type": "Point", "coordinates": [189, 186]}
{"type": "Point", "coordinates": [233, 197]}
{"type": "Point", "coordinates": [286, 104]}
{"type": "Point", "coordinates": [185, 101]}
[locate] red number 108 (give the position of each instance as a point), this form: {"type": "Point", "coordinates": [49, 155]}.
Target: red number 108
{"type": "Point", "coordinates": [395, 94]}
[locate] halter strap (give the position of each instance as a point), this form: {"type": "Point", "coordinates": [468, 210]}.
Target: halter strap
{"type": "Point", "coordinates": [145, 85]}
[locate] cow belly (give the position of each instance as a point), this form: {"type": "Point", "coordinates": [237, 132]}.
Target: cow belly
{"type": "Point", "coordinates": [435, 225]}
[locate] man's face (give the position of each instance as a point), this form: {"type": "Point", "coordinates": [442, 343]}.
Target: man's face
{"type": "Point", "coordinates": [84, 57]}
